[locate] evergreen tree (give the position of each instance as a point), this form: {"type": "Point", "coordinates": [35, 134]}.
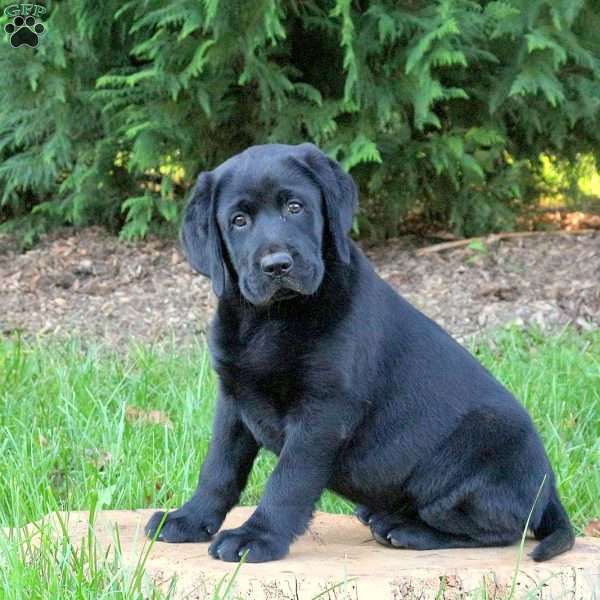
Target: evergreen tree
{"type": "Point", "coordinates": [440, 106]}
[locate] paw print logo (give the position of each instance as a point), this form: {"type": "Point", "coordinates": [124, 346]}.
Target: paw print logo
{"type": "Point", "coordinates": [24, 31]}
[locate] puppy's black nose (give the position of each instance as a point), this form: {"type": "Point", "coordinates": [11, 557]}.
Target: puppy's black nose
{"type": "Point", "coordinates": [276, 264]}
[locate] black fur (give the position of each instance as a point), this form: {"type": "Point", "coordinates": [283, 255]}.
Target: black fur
{"type": "Point", "coordinates": [353, 388]}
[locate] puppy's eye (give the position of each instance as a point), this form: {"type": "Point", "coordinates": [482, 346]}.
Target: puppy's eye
{"type": "Point", "coordinates": [294, 207]}
{"type": "Point", "coordinates": [239, 220]}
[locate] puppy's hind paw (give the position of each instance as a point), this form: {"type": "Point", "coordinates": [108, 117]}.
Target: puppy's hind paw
{"type": "Point", "coordinates": [386, 527]}
{"type": "Point", "coordinates": [363, 514]}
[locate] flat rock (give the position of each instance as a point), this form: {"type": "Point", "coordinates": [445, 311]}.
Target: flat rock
{"type": "Point", "coordinates": [338, 559]}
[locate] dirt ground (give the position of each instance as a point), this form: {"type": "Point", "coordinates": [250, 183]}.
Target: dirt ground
{"type": "Point", "coordinates": [90, 284]}
{"type": "Point", "coordinates": [335, 559]}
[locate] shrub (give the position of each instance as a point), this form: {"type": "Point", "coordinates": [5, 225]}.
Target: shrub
{"type": "Point", "coordinates": [437, 107]}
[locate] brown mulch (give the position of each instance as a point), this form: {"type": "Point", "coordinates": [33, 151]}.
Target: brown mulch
{"type": "Point", "coordinates": [89, 284]}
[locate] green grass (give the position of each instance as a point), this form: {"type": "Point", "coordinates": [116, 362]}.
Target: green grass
{"type": "Point", "coordinates": [66, 442]}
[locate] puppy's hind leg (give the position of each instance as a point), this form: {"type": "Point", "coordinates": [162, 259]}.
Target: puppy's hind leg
{"type": "Point", "coordinates": [412, 533]}
{"type": "Point", "coordinates": [469, 522]}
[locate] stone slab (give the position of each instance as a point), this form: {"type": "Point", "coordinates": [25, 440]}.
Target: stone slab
{"type": "Point", "coordinates": [338, 559]}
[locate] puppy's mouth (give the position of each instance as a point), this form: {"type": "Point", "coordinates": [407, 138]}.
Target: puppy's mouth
{"type": "Point", "coordinates": [262, 291]}
{"type": "Point", "coordinates": [284, 288]}
{"type": "Point", "coordinates": [275, 290]}
{"type": "Point", "coordinates": [284, 294]}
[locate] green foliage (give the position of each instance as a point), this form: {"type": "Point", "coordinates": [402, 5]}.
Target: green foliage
{"type": "Point", "coordinates": [438, 107]}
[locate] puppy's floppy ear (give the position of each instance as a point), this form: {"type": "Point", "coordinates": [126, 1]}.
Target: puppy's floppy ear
{"type": "Point", "coordinates": [339, 192]}
{"type": "Point", "coordinates": [200, 235]}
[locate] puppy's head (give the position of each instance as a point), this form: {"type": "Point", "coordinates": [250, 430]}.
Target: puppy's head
{"type": "Point", "coordinates": [264, 214]}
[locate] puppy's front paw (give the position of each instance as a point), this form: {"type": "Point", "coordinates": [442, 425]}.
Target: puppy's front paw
{"type": "Point", "coordinates": [262, 546]}
{"type": "Point", "coordinates": [179, 526]}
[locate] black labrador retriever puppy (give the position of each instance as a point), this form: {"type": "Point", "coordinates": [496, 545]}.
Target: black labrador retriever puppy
{"type": "Point", "coordinates": [323, 363]}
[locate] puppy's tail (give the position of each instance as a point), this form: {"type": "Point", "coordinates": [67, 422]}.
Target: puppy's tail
{"type": "Point", "coordinates": [554, 530]}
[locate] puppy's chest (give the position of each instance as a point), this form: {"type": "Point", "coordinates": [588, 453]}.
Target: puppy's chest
{"type": "Point", "coordinates": [275, 380]}
{"type": "Point", "coordinates": [268, 356]}
{"type": "Point", "coordinates": [265, 379]}
{"type": "Point", "coordinates": [266, 401]}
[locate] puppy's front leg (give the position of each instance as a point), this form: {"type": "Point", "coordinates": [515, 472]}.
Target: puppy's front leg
{"type": "Point", "coordinates": [304, 470]}
{"type": "Point", "coordinates": [223, 477]}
